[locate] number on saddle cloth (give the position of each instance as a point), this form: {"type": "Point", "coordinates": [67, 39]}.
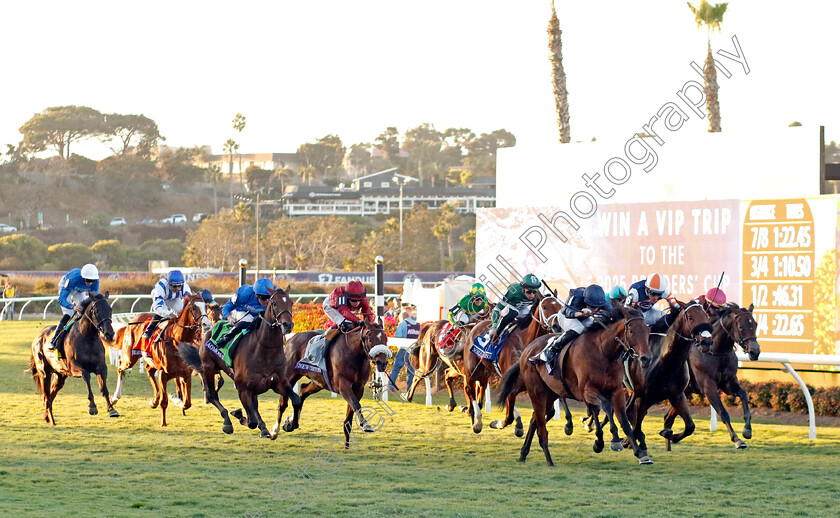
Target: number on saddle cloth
{"type": "Point", "coordinates": [221, 328]}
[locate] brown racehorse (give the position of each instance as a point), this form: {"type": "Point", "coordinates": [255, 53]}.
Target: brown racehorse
{"type": "Point", "coordinates": [348, 367]}
{"type": "Point", "coordinates": [258, 364]}
{"type": "Point", "coordinates": [84, 354]}
{"type": "Point", "coordinates": [717, 369]}
{"type": "Point", "coordinates": [477, 372]}
{"type": "Point", "coordinates": [592, 373]}
{"type": "Point", "coordinates": [430, 359]}
{"type": "Point", "coordinates": [666, 376]}
{"type": "Point", "coordinates": [165, 364]}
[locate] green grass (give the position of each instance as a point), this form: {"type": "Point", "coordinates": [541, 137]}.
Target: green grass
{"type": "Point", "coordinates": [423, 462]}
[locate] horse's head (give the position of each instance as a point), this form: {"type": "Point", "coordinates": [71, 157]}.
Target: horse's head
{"type": "Point", "coordinates": [634, 334]}
{"type": "Point", "coordinates": [278, 311]}
{"type": "Point", "coordinates": [194, 313]}
{"type": "Point", "coordinates": [548, 313]}
{"type": "Point", "coordinates": [375, 344]}
{"type": "Point", "coordinates": [693, 322]}
{"type": "Point", "coordinates": [98, 312]}
{"type": "Point", "coordinates": [741, 326]}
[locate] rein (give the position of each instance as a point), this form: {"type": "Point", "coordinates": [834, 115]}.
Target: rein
{"type": "Point", "coordinates": [629, 352]}
{"type": "Point", "coordinates": [277, 323]}
{"type": "Point", "coordinates": [93, 323]}
{"type": "Point", "coordinates": [546, 321]}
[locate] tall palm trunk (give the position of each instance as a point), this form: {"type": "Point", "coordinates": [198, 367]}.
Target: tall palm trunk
{"type": "Point", "coordinates": [711, 87]}
{"type": "Point", "coordinates": [558, 77]}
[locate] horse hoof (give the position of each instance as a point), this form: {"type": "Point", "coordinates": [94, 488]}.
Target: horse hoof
{"type": "Point", "coordinates": [287, 427]}
{"type": "Point", "coordinates": [496, 425]}
{"type": "Point", "coordinates": [588, 428]}
{"type": "Point", "coordinates": [450, 408]}
{"type": "Point", "coordinates": [747, 433]}
{"type": "Point", "coordinates": [668, 434]}
{"type": "Point", "coordinates": [115, 399]}
{"type": "Point", "coordinates": [113, 413]}
{"type": "Point", "coordinates": [153, 403]}
{"type": "Point", "coordinates": [227, 428]}
{"type": "Point", "coordinates": [265, 435]}
{"type": "Point", "coordinates": [616, 446]}
{"type": "Point", "coordinates": [367, 428]}
{"type": "Point", "coordinates": [464, 409]}
{"type": "Point", "coordinates": [644, 459]}
{"type": "Point", "coordinates": [93, 410]}
{"type": "Point", "coordinates": [477, 427]}
{"type": "Point", "coordinates": [598, 446]}
{"type": "Point", "coordinates": [740, 444]}
{"type": "Point", "coordinates": [238, 414]}
{"type": "Point", "coordinates": [520, 459]}
{"type": "Point", "coordinates": [518, 431]}
{"type": "Point", "coordinates": [568, 429]}
{"type": "Point", "coordinates": [625, 442]}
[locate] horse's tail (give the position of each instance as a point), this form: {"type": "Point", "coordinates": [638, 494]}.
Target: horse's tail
{"type": "Point", "coordinates": [189, 353]}
{"type": "Point", "coordinates": [33, 369]}
{"type": "Point", "coordinates": [509, 382]}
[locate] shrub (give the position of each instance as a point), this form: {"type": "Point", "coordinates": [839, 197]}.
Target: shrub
{"type": "Point", "coordinates": [761, 395]}
{"type": "Point", "coordinates": [45, 287]}
{"type": "Point", "coordinates": [70, 255]}
{"type": "Point", "coordinates": [827, 401]}
{"type": "Point", "coordinates": [778, 397]}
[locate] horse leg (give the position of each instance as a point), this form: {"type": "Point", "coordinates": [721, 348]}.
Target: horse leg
{"type": "Point", "coordinates": [287, 392]}
{"type": "Point", "coordinates": [598, 445]}
{"type": "Point", "coordinates": [102, 378]}
{"type": "Point", "coordinates": [208, 376]}
{"type": "Point", "coordinates": [736, 389]}
{"type": "Point", "coordinates": [163, 380]}
{"type": "Point", "coordinates": [448, 378]}
{"type": "Point", "coordinates": [293, 422]}
{"type": "Point", "coordinates": [92, 410]}
{"type": "Point", "coordinates": [681, 404]}
{"type": "Point", "coordinates": [615, 442]}
{"type": "Point", "coordinates": [714, 400]}
{"type": "Point", "coordinates": [151, 372]}
{"type": "Point", "coordinates": [349, 395]}
{"type": "Point", "coordinates": [620, 408]}
{"type": "Point", "coordinates": [569, 427]}
{"type": "Point", "coordinates": [45, 386]}
{"type": "Point", "coordinates": [473, 408]}
{"type": "Point", "coordinates": [118, 389]}
{"type": "Point", "coordinates": [53, 392]}
{"type": "Point", "coordinates": [186, 393]}
{"type": "Point", "coordinates": [538, 401]}
{"type": "Point", "coordinates": [481, 386]}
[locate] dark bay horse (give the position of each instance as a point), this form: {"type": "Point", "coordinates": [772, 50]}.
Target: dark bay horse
{"type": "Point", "coordinates": [348, 367]}
{"type": "Point", "coordinates": [716, 370]}
{"type": "Point", "coordinates": [666, 377]}
{"type": "Point", "coordinates": [477, 371]}
{"type": "Point", "coordinates": [84, 354]}
{"type": "Point", "coordinates": [592, 372]}
{"type": "Point", "coordinates": [258, 364]}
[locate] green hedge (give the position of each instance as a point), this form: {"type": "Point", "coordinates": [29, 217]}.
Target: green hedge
{"type": "Point", "coordinates": [782, 397]}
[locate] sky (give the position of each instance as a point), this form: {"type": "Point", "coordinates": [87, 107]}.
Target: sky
{"type": "Point", "coordinates": [300, 70]}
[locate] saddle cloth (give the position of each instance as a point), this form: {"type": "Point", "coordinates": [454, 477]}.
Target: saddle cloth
{"type": "Point", "coordinates": [225, 353]}
{"type": "Point", "coordinates": [146, 345]}
{"type": "Point", "coordinates": [314, 358]}
{"type": "Point", "coordinates": [482, 347]}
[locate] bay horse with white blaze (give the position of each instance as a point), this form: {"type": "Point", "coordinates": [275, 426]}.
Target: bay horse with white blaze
{"type": "Point", "coordinates": [716, 369]}
{"type": "Point", "coordinates": [258, 364]}
{"type": "Point", "coordinates": [348, 368]}
{"type": "Point", "coordinates": [84, 353]}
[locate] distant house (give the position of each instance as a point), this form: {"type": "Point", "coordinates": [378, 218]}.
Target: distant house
{"type": "Point", "coordinates": [377, 193]}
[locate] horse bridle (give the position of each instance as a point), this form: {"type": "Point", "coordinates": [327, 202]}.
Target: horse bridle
{"type": "Point", "coordinates": [545, 321]}
{"type": "Point", "coordinates": [629, 352]}
{"type": "Point", "coordinates": [197, 320]}
{"type": "Point", "coordinates": [742, 341]}
{"type": "Point", "coordinates": [691, 338]}
{"type": "Point", "coordinates": [98, 322]}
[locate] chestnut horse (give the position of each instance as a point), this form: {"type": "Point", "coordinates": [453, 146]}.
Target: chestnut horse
{"type": "Point", "coordinates": [477, 371]}
{"type": "Point", "coordinates": [258, 364]}
{"type": "Point", "coordinates": [166, 364]}
{"type": "Point", "coordinates": [592, 372]}
{"type": "Point", "coordinates": [666, 377]}
{"type": "Point", "coordinates": [84, 354]}
{"type": "Point", "coordinates": [348, 368]}
{"type": "Point", "coordinates": [716, 370]}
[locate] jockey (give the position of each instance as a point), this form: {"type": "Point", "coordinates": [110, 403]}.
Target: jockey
{"type": "Point", "coordinates": [167, 299]}
{"type": "Point", "coordinates": [72, 298]}
{"type": "Point", "coordinates": [343, 303]}
{"type": "Point", "coordinates": [517, 301]}
{"type": "Point", "coordinates": [617, 294]}
{"type": "Point", "coordinates": [208, 299]}
{"type": "Point", "coordinates": [247, 303]}
{"type": "Point", "coordinates": [713, 301]}
{"type": "Point", "coordinates": [470, 306]}
{"type": "Point", "coordinates": [647, 292]}
{"type": "Point", "coordinates": [576, 317]}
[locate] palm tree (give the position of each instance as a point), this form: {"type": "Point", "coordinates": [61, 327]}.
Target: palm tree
{"type": "Point", "coordinates": [239, 125]}
{"type": "Point", "coordinates": [230, 148]}
{"type": "Point", "coordinates": [306, 173]}
{"type": "Point", "coordinates": [558, 77]}
{"type": "Point", "coordinates": [711, 16]}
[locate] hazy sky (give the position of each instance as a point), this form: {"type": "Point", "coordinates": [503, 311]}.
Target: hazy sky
{"type": "Point", "coordinates": [303, 69]}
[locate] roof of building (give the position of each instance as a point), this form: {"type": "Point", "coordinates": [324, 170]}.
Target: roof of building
{"type": "Point", "coordinates": [303, 192]}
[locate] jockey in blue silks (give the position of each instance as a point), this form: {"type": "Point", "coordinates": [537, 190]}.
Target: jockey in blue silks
{"type": "Point", "coordinates": [72, 295]}
{"type": "Point", "coordinates": [167, 299]}
{"type": "Point", "coordinates": [247, 303]}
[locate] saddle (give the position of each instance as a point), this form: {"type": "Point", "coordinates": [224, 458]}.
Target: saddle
{"type": "Point", "coordinates": [555, 367]}
{"type": "Point", "coordinates": [225, 354]}
{"type": "Point", "coordinates": [447, 340]}
{"type": "Point", "coordinates": [315, 356]}
{"type": "Point", "coordinates": [145, 345]}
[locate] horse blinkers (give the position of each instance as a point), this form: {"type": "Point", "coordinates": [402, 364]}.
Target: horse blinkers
{"type": "Point", "coordinates": [103, 326]}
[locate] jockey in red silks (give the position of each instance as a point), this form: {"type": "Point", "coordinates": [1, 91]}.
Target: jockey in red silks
{"type": "Point", "coordinates": [343, 304]}
{"type": "Point", "coordinates": [713, 301]}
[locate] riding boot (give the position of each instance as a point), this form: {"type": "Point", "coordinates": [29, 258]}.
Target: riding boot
{"type": "Point", "coordinates": [152, 326]}
{"type": "Point", "coordinates": [550, 351]}
{"type": "Point", "coordinates": [506, 320]}
{"type": "Point", "coordinates": [227, 337]}
{"type": "Point", "coordinates": [59, 331]}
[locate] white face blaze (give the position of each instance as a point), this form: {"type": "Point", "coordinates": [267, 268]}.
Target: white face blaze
{"type": "Point", "coordinates": [285, 299]}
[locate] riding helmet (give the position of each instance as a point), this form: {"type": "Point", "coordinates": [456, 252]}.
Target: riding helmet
{"type": "Point", "coordinates": [262, 286]}
{"type": "Point", "coordinates": [594, 296]}
{"type": "Point", "coordinates": [355, 290]}
{"type": "Point", "coordinates": [530, 282]}
{"type": "Point", "coordinates": [716, 297]}
{"type": "Point", "coordinates": [175, 277]}
{"type": "Point", "coordinates": [90, 273]}
{"type": "Point", "coordinates": [617, 292]}
{"type": "Point", "coordinates": [656, 283]}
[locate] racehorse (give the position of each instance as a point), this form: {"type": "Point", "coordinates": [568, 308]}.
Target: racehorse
{"type": "Point", "coordinates": [257, 365]}
{"type": "Point", "coordinates": [348, 368]}
{"type": "Point", "coordinates": [84, 354]}
{"type": "Point", "coordinates": [166, 364]}
{"type": "Point", "coordinates": [717, 369]}
{"type": "Point", "coordinates": [589, 370]}
{"type": "Point", "coordinates": [430, 358]}
{"type": "Point", "coordinates": [544, 317]}
{"type": "Point", "coordinates": [666, 377]}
